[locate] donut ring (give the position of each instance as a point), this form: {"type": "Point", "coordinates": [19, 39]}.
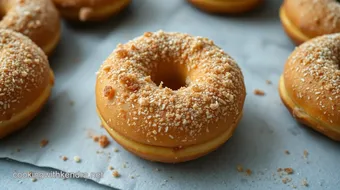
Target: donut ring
{"type": "Point", "coordinates": [192, 118]}
{"type": "Point", "coordinates": [310, 85]}
{"type": "Point", "coordinates": [226, 6]}
{"type": "Point", "coordinates": [26, 81]}
{"type": "Point", "coordinates": [89, 10]}
{"type": "Point", "coordinates": [38, 19]}
{"type": "Point", "coordinates": [304, 19]}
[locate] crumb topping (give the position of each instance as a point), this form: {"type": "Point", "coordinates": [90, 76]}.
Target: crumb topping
{"type": "Point", "coordinates": [24, 70]}
{"type": "Point", "coordinates": [317, 17]}
{"type": "Point", "coordinates": [214, 87]}
{"type": "Point", "coordinates": [314, 68]}
{"type": "Point", "coordinates": [35, 19]}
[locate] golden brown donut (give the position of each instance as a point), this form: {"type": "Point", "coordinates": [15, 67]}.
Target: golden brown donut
{"type": "Point", "coordinates": [305, 19]}
{"type": "Point", "coordinates": [38, 19]}
{"type": "Point", "coordinates": [170, 97]}
{"type": "Point", "coordinates": [26, 81]}
{"type": "Point", "coordinates": [90, 10]}
{"type": "Point", "coordinates": [310, 85]}
{"type": "Point", "coordinates": [226, 6]}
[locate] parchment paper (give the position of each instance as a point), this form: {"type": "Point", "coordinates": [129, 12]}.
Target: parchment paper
{"type": "Point", "coordinates": [258, 43]}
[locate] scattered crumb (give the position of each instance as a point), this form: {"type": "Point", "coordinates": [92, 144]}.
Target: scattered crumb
{"type": "Point", "coordinates": [18, 150]}
{"type": "Point", "coordinates": [115, 150]}
{"type": "Point", "coordinates": [95, 138]}
{"type": "Point", "coordinates": [104, 141]}
{"type": "Point", "coordinates": [77, 159]}
{"type": "Point", "coordinates": [294, 187]}
{"type": "Point", "coordinates": [248, 172]}
{"type": "Point", "coordinates": [64, 158]}
{"type": "Point", "coordinates": [239, 168]}
{"type": "Point", "coordinates": [43, 143]}
{"type": "Point", "coordinates": [305, 153]}
{"type": "Point", "coordinates": [157, 170]}
{"type": "Point", "coordinates": [110, 168]}
{"type": "Point", "coordinates": [34, 179]}
{"type": "Point", "coordinates": [115, 174]}
{"type": "Point", "coordinates": [287, 152]}
{"type": "Point", "coordinates": [289, 170]}
{"type": "Point", "coordinates": [279, 170]}
{"type": "Point", "coordinates": [286, 180]}
{"type": "Point", "coordinates": [305, 183]}
{"type": "Point", "coordinates": [269, 82]}
{"type": "Point", "coordinates": [71, 103]}
{"type": "Point", "coordinates": [259, 92]}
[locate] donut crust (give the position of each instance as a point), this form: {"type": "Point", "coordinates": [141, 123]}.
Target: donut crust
{"type": "Point", "coordinates": [38, 19]}
{"type": "Point", "coordinates": [136, 110]}
{"type": "Point", "coordinates": [87, 10]}
{"type": "Point", "coordinates": [26, 81]}
{"type": "Point", "coordinates": [310, 85]}
{"type": "Point", "coordinates": [226, 6]}
{"type": "Point", "coordinates": [168, 154]}
{"type": "Point", "coordinates": [302, 24]}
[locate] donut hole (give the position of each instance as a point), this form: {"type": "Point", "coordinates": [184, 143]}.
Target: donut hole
{"type": "Point", "coordinates": [170, 75]}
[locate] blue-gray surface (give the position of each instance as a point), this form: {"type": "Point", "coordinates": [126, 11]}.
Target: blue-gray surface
{"type": "Point", "coordinates": [257, 42]}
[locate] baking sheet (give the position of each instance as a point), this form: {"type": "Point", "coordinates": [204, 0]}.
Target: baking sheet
{"type": "Point", "coordinates": [260, 47]}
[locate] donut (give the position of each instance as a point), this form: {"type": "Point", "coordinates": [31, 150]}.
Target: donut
{"type": "Point", "coordinates": [38, 19]}
{"type": "Point", "coordinates": [26, 81]}
{"type": "Point", "coordinates": [226, 6]}
{"type": "Point", "coordinates": [90, 10]}
{"type": "Point", "coordinates": [305, 19]}
{"type": "Point", "coordinates": [170, 97]}
{"type": "Point", "coordinates": [310, 85]}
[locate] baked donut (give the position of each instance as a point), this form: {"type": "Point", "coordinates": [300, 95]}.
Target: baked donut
{"type": "Point", "coordinates": [90, 10]}
{"type": "Point", "coordinates": [170, 97]}
{"type": "Point", "coordinates": [38, 19]}
{"type": "Point", "coordinates": [305, 19]}
{"type": "Point", "coordinates": [310, 85]}
{"type": "Point", "coordinates": [26, 81]}
{"type": "Point", "coordinates": [226, 6]}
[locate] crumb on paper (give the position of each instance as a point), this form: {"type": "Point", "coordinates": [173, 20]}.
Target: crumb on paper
{"type": "Point", "coordinates": [248, 172]}
{"type": "Point", "coordinates": [269, 82]}
{"type": "Point", "coordinates": [289, 170]}
{"type": "Point", "coordinates": [259, 92]}
{"type": "Point", "coordinates": [104, 141]}
{"type": "Point", "coordinates": [305, 183]}
{"type": "Point", "coordinates": [77, 159]}
{"type": "Point", "coordinates": [286, 180]}
{"type": "Point", "coordinates": [111, 168]}
{"type": "Point", "coordinates": [239, 168]}
{"type": "Point", "coordinates": [305, 153]}
{"type": "Point", "coordinates": [95, 138]}
{"type": "Point", "coordinates": [157, 170]}
{"type": "Point", "coordinates": [18, 149]}
{"type": "Point", "coordinates": [71, 103]}
{"type": "Point", "coordinates": [34, 179]}
{"type": "Point", "coordinates": [64, 158]}
{"type": "Point", "coordinates": [279, 170]}
{"type": "Point", "coordinates": [43, 143]}
{"type": "Point", "coordinates": [287, 152]}
{"type": "Point", "coordinates": [115, 174]}
{"type": "Point", "coordinates": [115, 150]}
